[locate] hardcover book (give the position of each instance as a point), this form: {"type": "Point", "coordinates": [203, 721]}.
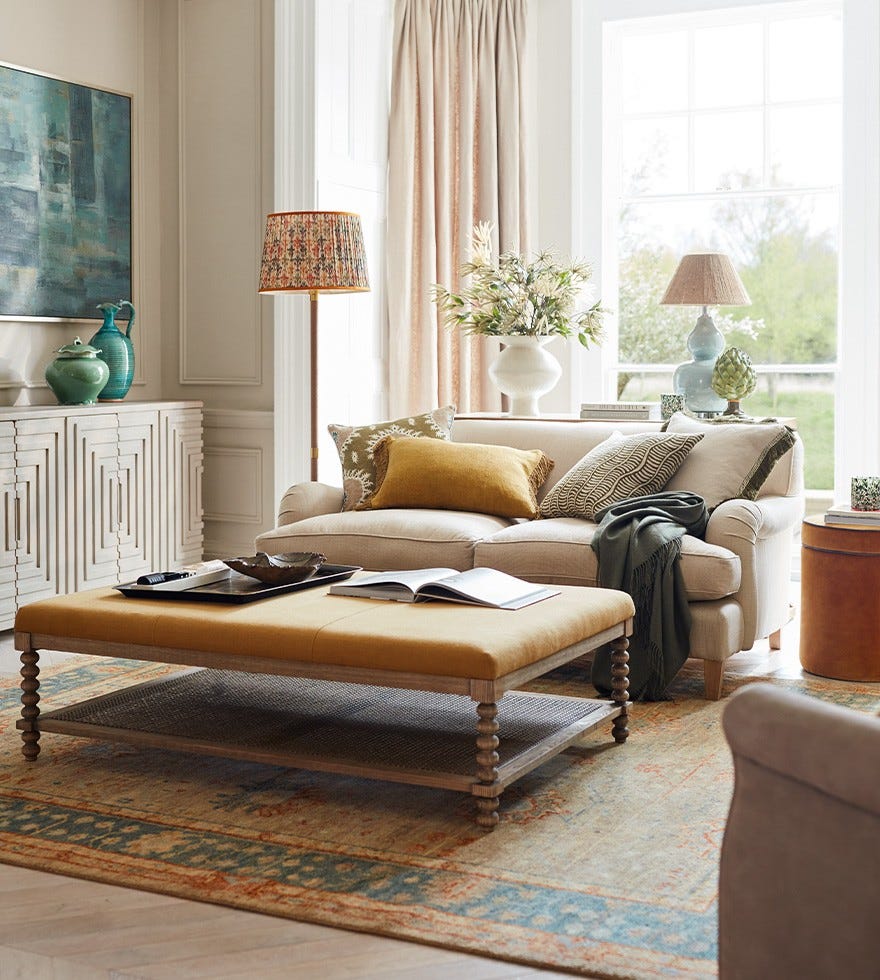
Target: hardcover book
{"type": "Point", "coordinates": [620, 410]}
{"type": "Point", "coordinates": [842, 514]}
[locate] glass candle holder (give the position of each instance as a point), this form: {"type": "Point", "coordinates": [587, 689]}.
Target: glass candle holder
{"type": "Point", "coordinates": [865, 493]}
{"type": "Point", "coordinates": [670, 404]}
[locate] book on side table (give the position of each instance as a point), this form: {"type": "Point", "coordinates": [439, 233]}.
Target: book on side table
{"type": "Point", "coordinates": [476, 586]}
{"type": "Point", "coordinates": [841, 514]}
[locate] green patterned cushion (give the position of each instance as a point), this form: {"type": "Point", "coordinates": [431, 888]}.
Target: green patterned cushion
{"type": "Point", "coordinates": [618, 468]}
{"type": "Point", "coordinates": [355, 447]}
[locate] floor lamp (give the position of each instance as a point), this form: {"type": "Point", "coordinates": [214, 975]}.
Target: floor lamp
{"type": "Point", "coordinates": [313, 252]}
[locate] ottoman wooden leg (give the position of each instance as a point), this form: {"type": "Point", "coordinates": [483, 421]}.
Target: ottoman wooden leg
{"type": "Point", "coordinates": [487, 762]}
{"type": "Point", "coordinates": [30, 700]}
{"type": "Point", "coordinates": [620, 686]}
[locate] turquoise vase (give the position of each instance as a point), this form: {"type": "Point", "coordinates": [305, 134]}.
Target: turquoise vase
{"type": "Point", "coordinates": [116, 351]}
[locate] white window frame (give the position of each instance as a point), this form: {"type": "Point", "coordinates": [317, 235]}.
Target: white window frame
{"type": "Point", "coordinates": [857, 389]}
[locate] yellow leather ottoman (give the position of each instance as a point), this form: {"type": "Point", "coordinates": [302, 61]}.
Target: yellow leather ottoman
{"type": "Point", "coordinates": [350, 657]}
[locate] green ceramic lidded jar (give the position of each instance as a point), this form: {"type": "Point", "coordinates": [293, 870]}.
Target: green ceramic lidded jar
{"type": "Point", "coordinates": [77, 375]}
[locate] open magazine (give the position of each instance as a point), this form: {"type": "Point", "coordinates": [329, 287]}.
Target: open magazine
{"type": "Point", "coordinates": [476, 586]}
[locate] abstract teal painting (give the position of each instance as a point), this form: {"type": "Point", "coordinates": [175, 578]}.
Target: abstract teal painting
{"type": "Point", "coordinates": [65, 197]}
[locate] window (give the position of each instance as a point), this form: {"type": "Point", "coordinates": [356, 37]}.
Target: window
{"type": "Point", "coordinates": [722, 131]}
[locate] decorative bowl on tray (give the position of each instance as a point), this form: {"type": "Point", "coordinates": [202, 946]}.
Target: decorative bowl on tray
{"type": "Point", "coordinates": [294, 566]}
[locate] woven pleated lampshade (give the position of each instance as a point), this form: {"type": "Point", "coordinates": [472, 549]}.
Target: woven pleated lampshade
{"type": "Point", "coordinates": [705, 279]}
{"type": "Point", "coordinates": [313, 252]}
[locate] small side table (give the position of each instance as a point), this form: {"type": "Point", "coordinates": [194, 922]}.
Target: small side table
{"type": "Point", "coordinates": [840, 600]}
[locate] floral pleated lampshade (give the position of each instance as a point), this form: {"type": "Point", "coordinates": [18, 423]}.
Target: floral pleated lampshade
{"type": "Point", "coordinates": [313, 252]}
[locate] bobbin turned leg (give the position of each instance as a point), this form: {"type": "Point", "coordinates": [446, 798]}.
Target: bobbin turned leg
{"type": "Point", "coordinates": [487, 762]}
{"type": "Point", "coordinates": [30, 701]}
{"type": "Point", "coordinates": [620, 685]}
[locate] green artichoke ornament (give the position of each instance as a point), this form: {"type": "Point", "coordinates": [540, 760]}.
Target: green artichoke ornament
{"type": "Point", "coordinates": [733, 377]}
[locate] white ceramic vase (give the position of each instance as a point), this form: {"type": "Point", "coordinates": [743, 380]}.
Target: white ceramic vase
{"type": "Point", "coordinates": [524, 371]}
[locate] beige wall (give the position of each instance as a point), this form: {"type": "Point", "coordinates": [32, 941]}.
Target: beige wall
{"type": "Point", "coordinates": [109, 44]}
{"type": "Point", "coordinates": [201, 76]}
{"type": "Point", "coordinates": [216, 162]}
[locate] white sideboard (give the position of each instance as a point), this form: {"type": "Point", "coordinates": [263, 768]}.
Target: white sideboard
{"type": "Point", "coordinates": [92, 495]}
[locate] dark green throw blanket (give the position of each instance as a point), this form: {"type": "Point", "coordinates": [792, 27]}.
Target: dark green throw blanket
{"type": "Point", "coordinates": [637, 543]}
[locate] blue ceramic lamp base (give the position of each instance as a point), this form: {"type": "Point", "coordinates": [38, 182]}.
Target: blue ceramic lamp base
{"type": "Point", "coordinates": [693, 379]}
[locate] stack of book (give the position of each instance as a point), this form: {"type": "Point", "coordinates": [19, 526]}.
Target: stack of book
{"type": "Point", "coordinates": [620, 411]}
{"type": "Point", "coordinates": [841, 514]}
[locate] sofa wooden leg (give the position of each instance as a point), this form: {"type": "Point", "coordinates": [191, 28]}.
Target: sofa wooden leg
{"type": "Point", "coordinates": [776, 640]}
{"type": "Point", "coordinates": [713, 675]}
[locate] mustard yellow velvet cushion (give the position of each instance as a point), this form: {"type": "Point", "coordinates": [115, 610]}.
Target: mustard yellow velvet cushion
{"type": "Point", "coordinates": [459, 476]}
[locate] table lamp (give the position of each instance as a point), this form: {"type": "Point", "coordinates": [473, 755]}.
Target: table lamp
{"type": "Point", "coordinates": [703, 279]}
{"type": "Point", "coordinates": [313, 252]}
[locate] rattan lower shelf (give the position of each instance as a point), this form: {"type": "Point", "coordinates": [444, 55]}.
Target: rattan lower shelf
{"type": "Point", "coordinates": [416, 737]}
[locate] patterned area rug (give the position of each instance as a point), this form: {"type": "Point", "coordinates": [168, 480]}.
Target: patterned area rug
{"type": "Point", "coordinates": [605, 861]}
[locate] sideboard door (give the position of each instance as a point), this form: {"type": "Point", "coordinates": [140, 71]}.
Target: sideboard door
{"type": "Point", "coordinates": [93, 523]}
{"type": "Point", "coordinates": [9, 521]}
{"type": "Point", "coordinates": [181, 486]}
{"type": "Point", "coordinates": [138, 492]}
{"type": "Point", "coordinates": [40, 489]}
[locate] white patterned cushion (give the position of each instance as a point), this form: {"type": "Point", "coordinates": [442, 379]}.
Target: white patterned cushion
{"type": "Point", "coordinates": [618, 468]}
{"type": "Point", "coordinates": [355, 447]}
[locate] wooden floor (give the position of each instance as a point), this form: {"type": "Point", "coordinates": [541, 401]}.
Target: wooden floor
{"type": "Point", "coordinates": [58, 928]}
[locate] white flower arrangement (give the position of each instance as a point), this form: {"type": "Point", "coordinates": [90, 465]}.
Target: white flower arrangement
{"type": "Point", "coordinates": [519, 298]}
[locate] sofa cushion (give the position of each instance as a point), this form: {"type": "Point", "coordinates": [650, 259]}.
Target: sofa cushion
{"type": "Point", "coordinates": [387, 539]}
{"type": "Point", "coordinates": [558, 551]}
{"type": "Point", "coordinates": [458, 476]}
{"type": "Point", "coordinates": [355, 445]}
{"type": "Point", "coordinates": [618, 468]}
{"type": "Point", "coordinates": [734, 458]}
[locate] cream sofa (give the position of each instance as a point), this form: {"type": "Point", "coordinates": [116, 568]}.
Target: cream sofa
{"type": "Point", "coordinates": [736, 579]}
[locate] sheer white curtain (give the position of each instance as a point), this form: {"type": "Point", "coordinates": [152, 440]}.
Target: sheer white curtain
{"type": "Point", "coordinates": [456, 156]}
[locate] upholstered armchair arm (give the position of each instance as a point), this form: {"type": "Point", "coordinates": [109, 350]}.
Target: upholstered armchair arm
{"type": "Point", "coordinates": [304, 500]}
{"type": "Point", "coordinates": [761, 533]}
{"type": "Point", "coordinates": [800, 869]}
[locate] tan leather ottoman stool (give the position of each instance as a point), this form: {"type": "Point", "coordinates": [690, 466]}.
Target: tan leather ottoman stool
{"type": "Point", "coordinates": [840, 600]}
{"type": "Point", "coordinates": [326, 682]}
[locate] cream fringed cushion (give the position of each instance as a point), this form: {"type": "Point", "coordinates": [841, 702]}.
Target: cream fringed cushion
{"type": "Point", "coordinates": [355, 446]}
{"type": "Point", "coordinates": [463, 476]}
{"type": "Point", "coordinates": [734, 459]}
{"type": "Point", "coordinates": [618, 468]}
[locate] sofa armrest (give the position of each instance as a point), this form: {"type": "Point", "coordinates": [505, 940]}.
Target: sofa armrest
{"type": "Point", "coordinates": [761, 532]}
{"type": "Point", "coordinates": [799, 881]}
{"type": "Point", "coordinates": [304, 500]}
{"type": "Point", "coordinates": [827, 747]}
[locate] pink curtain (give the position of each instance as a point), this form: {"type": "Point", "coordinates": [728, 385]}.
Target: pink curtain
{"type": "Point", "coordinates": [456, 156]}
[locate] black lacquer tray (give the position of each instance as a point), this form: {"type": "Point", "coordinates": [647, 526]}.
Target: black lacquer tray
{"type": "Point", "coordinates": [238, 588]}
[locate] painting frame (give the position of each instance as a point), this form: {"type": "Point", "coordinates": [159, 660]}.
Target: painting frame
{"type": "Point", "coordinates": [67, 188]}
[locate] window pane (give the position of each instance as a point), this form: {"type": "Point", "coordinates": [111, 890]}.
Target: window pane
{"type": "Point", "coordinates": [654, 72]}
{"type": "Point", "coordinates": [805, 59]}
{"type": "Point", "coordinates": [655, 156]}
{"type": "Point", "coordinates": [805, 146]}
{"type": "Point", "coordinates": [728, 66]}
{"type": "Point", "coordinates": [808, 398]}
{"type": "Point", "coordinates": [680, 226]}
{"type": "Point", "coordinates": [787, 261]}
{"type": "Point", "coordinates": [727, 145]}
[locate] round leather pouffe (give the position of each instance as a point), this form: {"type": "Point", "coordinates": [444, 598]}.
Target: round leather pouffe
{"type": "Point", "coordinates": [840, 600]}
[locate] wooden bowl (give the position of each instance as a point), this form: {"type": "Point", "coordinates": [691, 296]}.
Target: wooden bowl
{"type": "Point", "coordinates": [294, 566]}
